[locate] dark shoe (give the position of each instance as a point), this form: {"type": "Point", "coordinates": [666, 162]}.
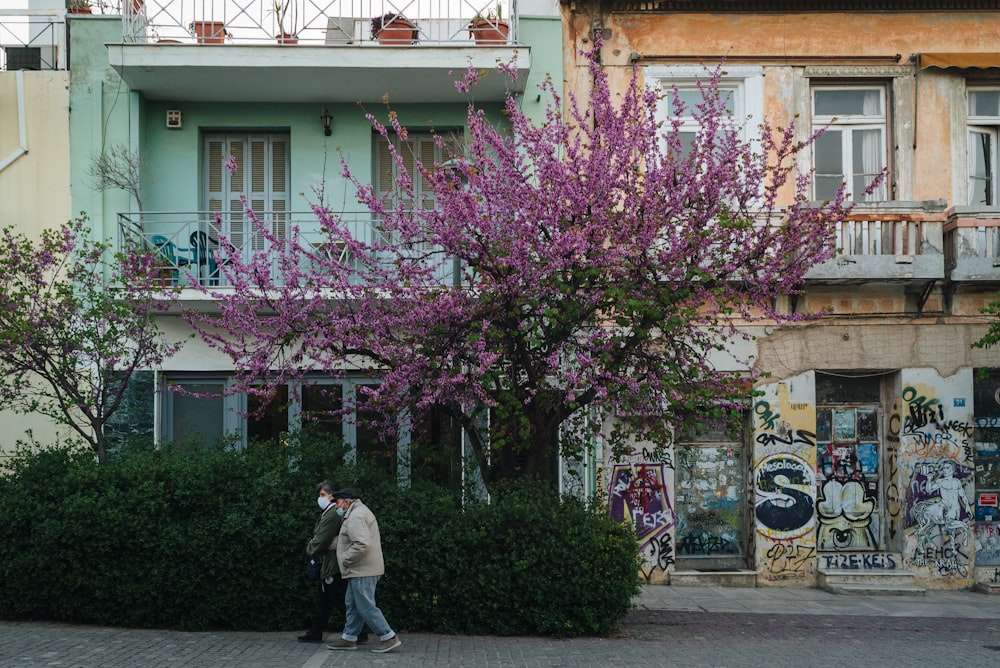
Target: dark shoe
{"type": "Point", "coordinates": [363, 640]}
{"type": "Point", "coordinates": [340, 643]}
{"type": "Point", "coordinates": [309, 637]}
{"type": "Point", "coordinates": [387, 645]}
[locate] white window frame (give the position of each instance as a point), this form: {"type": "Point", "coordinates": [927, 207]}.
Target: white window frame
{"type": "Point", "coordinates": [234, 406]}
{"type": "Point", "coordinates": [745, 82]}
{"type": "Point", "coordinates": [847, 125]}
{"type": "Point", "coordinates": [989, 126]}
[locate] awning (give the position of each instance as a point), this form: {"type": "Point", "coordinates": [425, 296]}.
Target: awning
{"type": "Point", "coordinates": [960, 60]}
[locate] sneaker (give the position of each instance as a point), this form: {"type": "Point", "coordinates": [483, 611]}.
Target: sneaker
{"type": "Point", "coordinates": [309, 637]}
{"type": "Point", "coordinates": [387, 645]}
{"type": "Point", "coordinates": [340, 643]}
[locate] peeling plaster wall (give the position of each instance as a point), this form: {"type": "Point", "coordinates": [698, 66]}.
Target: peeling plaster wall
{"type": "Point", "coordinates": [943, 347]}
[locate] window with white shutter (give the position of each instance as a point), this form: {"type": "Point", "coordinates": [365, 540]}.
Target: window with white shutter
{"type": "Point", "coordinates": [262, 167]}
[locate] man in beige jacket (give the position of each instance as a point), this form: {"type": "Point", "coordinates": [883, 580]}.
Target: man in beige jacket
{"type": "Point", "coordinates": [359, 553]}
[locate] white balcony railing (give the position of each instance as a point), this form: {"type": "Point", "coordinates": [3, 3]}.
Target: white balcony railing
{"type": "Point", "coordinates": [32, 40]}
{"type": "Point", "coordinates": [189, 245]}
{"type": "Point", "coordinates": [328, 22]}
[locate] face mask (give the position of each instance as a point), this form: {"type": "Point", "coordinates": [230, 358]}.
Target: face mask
{"type": "Point", "coordinates": [323, 502]}
{"type": "Point", "coordinates": [340, 511]}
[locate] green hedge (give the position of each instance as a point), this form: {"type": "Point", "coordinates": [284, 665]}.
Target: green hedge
{"type": "Point", "coordinates": [201, 538]}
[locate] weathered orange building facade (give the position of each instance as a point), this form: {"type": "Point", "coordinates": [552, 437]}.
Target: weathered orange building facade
{"type": "Point", "coordinates": [871, 460]}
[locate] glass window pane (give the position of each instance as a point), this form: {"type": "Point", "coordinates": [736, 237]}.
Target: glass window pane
{"type": "Point", "coordinates": [687, 142]}
{"type": "Point", "coordinates": [692, 97]}
{"type": "Point", "coordinates": [829, 153]}
{"type": "Point", "coordinates": [318, 401]}
{"type": "Point", "coordinates": [867, 145]}
{"type": "Point", "coordinates": [371, 447]}
{"type": "Point", "coordinates": [195, 417]}
{"type": "Point", "coordinates": [852, 102]}
{"type": "Point", "coordinates": [984, 103]}
{"type": "Point", "coordinates": [274, 420]}
{"type": "Point", "coordinates": [868, 425]}
{"type": "Point", "coordinates": [827, 186]}
{"type": "Point", "coordinates": [843, 425]}
{"type": "Point", "coordinates": [981, 151]}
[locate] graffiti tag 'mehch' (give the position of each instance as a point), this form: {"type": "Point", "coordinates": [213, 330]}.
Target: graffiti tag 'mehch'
{"type": "Point", "coordinates": [639, 494]}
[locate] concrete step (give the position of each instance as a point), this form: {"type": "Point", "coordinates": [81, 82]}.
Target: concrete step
{"type": "Point", "coordinates": [883, 578]}
{"type": "Point", "coordinates": [988, 587]}
{"type": "Point", "coordinates": [713, 578]}
{"type": "Point", "coordinates": [875, 589]}
{"type": "Point", "coordinates": [873, 573]}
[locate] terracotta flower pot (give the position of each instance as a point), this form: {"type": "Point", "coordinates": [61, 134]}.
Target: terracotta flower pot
{"type": "Point", "coordinates": [285, 38]}
{"type": "Point", "coordinates": [398, 31]}
{"type": "Point", "coordinates": [489, 32]}
{"type": "Point", "coordinates": [210, 32]}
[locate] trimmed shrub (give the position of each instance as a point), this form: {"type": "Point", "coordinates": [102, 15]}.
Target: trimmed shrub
{"type": "Point", "coordinates": [198, 538]}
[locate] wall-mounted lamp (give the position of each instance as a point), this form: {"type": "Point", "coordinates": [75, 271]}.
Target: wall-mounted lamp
{"type": "Point", "coordinates": [327, 119]}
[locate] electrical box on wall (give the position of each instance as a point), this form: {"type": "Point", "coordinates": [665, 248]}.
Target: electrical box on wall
{"type": "Point", "coordinates": [174, 119]}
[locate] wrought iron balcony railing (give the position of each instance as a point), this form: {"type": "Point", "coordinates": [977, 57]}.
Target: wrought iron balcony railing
{"type": "Point", "coordinates": [328, 22]}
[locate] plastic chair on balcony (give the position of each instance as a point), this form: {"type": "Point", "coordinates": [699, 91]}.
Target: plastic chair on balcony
{"type": "Point", "coordinates": [171, 260]}
{"type": "Point", "coordinates": [205, 250]}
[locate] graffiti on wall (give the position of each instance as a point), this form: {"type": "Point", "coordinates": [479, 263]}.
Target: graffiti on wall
{"type": "Point", "coordinates": [784, 478]}
{"type": "Point", "coordinates": [639, 494]}
{"type": "Point", "coordinates": [785, 483]}
{"type": "Point", "coordinates": [709, 500]}
{"type": "Point", "coordinates": [893, 499]}
{"type": "Point", "coordinates": [847, 465]}
{"type": "Point", "coordinates": [844, 511]}
{"type": "Point", "coordinates": [939, 512]}
{"type": "Point", "coordinates": [987, 543]}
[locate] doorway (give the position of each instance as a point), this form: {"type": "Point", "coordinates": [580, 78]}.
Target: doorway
{"type": "Point", "coordinates": [849, 450]}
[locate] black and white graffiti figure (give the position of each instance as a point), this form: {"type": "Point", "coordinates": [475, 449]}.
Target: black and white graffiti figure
{"type": "Point", "coordinates": [845, 516]}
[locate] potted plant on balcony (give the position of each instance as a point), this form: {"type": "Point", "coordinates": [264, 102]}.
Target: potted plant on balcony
{"type": "Point", "coordinates": [285, 12]}
{"type": "Point", "coordinates": [393, 29]}
{"type": "Point", "coordinates": [79, 6]}
{"type": "Point", "coordinates": [209, 32]}
{"type": "Point", "coordinates": [489, 29]}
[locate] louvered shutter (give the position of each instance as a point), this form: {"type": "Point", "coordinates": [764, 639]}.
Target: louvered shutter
{"type": "Point", "coordinates": [215, 170]}
{"type": "Point", "coordinates": [280, 187]}
{"type": "Point", "coordinates": [262, 166]}
{"type": "Point", "coordinates": [237, 229]}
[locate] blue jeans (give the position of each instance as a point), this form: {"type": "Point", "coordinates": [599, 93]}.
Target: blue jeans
{"type": "Point", "coordinates": [361, 608]}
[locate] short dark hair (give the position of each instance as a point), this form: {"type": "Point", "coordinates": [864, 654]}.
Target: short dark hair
{"type": "Point", "coordinates": [326, 486]}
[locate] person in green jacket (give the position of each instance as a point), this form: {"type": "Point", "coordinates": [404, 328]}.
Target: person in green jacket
{"type": "Point", "coordinates": [331, 588]}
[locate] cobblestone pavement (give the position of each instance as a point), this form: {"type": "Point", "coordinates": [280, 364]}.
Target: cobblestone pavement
{"type": "Point", "coordinates": [712, 627]}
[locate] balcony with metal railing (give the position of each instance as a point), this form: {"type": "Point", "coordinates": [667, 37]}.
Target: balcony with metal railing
{"type": "Point", "coordinates": [32, 39]}
{"type": "Point", "coordinates": [193, 247]}
{"type": "Point", "coordinates": [972, 244]}
{"type": "Point", "coordinates": [316, 50]}
{"type": "Point", "coordinates": [894, 242]}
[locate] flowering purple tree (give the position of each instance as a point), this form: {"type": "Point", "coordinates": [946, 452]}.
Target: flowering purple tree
{"type": "Point", "coordinates": [69, 343]}
{"type": "Point", "coordinates": [560, 278]}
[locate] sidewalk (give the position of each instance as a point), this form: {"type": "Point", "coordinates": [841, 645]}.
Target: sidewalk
{"type": "Point", "coordinates": [672, 626]}
{"type": "Point", "coordinates": [811, 601]}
